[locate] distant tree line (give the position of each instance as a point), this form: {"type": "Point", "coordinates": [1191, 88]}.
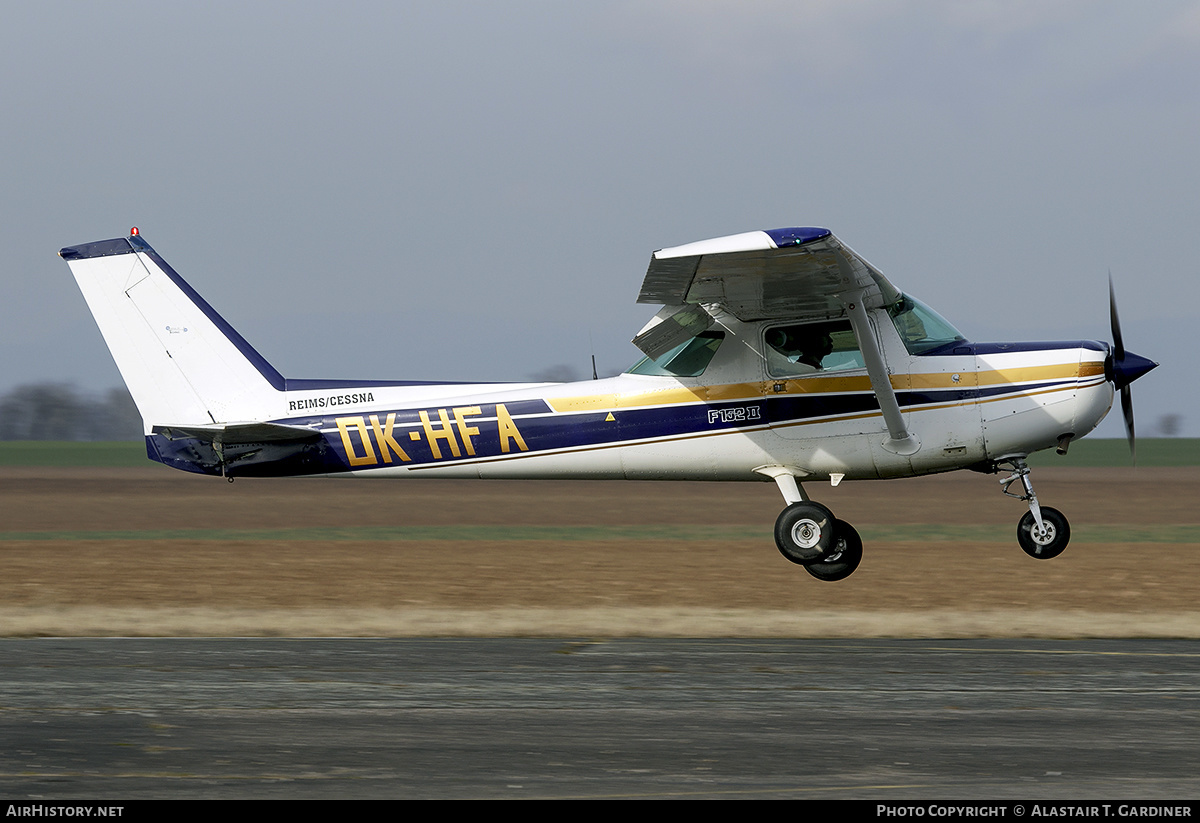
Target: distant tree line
{"type": "Point", "coordinates": [60, 411]}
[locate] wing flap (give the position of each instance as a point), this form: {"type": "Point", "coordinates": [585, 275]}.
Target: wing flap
{"type": "Point", "coordinates": [670, 328]}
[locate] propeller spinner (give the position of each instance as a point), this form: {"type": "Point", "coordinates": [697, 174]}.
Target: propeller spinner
{"type": "Point", "coordinates": [1121, 367]}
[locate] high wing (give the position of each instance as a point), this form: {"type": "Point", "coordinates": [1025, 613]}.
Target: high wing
{"type": "Point", "coordinates": [794, 273]}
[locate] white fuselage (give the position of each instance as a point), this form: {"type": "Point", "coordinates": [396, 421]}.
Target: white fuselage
{"type": "Point", "coordinates": [974, 404]}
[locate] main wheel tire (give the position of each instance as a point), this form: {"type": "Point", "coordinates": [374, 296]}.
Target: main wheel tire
{"type": "Point", "coordinates": [1058, 533]}
{"type": "Point", "coordinates": [804, 532]}
{"type": "Point", "coordinates": [844, 557]}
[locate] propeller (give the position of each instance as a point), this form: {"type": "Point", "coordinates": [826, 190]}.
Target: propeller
{"type": "Point", "coordinates": [1121, 367]}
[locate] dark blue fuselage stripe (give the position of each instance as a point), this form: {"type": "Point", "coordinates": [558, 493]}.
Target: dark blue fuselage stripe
{"type": "Point", "coordinates": [1043, 345]}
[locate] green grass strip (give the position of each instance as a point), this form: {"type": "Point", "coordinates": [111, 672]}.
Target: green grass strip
{"type": "Point", "coordinates": [53, 453]}
{"type": "Point", "coordinates": [1151, 452]}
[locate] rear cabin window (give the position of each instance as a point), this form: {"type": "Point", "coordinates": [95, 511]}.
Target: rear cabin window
{"type": "Point", "coordinates": [812, 348]}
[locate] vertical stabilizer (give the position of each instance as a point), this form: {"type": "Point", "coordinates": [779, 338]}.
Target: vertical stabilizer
{"type": "Point", "coordinates": [182, 362]}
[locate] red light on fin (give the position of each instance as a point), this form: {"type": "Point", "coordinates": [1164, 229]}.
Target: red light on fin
{"type": "Point", "coordinates": [133, 232]}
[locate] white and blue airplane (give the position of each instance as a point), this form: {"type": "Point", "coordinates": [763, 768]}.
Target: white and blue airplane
{"type": "Point", "coordinates": [777, 355]}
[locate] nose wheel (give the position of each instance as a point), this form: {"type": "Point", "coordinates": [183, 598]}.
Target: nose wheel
{"type": "Point", "coordinates": [1048, 541]}
{"type": "Point", "coordinates": [1043, 532]}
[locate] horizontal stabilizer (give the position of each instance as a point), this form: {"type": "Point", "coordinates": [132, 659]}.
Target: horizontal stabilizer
{"type": "Point", "coordinates": [241, 434]}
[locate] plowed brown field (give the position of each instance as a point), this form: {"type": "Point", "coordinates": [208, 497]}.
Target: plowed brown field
{"type": "Point", "coordinates": [154, 552]}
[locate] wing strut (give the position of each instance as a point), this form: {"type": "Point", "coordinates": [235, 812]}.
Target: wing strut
{"type": "Point", "coordinates": [900, 440]}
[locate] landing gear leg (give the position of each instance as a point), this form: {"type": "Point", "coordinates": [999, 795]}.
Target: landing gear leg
{"type": "Point", "coordinates": [1043, 532]}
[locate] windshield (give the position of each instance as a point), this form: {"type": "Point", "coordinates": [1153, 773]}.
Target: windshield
{"type": "Point", "coordinates": [920, 327]}
{"type": "Point", "coordinates": [688, 359]}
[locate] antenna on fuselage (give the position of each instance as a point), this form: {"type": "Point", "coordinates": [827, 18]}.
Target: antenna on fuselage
{"type": "Point", "coordinates": [592, 346]}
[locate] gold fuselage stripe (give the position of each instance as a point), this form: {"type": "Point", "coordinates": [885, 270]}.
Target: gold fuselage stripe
{"type": "Point", "coordinates": [823, 385]}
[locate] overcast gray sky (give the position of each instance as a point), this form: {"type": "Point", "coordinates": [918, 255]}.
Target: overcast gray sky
{"type": "Point", "coordinates": [473, 190]}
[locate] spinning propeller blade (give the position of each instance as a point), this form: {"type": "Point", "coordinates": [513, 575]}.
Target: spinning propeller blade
{"type": "Point", "coordinates": [1122, 368]}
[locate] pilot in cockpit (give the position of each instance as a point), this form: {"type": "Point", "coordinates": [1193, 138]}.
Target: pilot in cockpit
{"type": "Point", "coordinates": [797, 349]}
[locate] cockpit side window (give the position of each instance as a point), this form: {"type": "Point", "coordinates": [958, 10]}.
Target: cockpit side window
{"type": "Point", "coordinates": [811, 348]}
{"type": "Point", "coordinates": [688, 359]}
{"type": "Point", "coordinates": [920, 327]}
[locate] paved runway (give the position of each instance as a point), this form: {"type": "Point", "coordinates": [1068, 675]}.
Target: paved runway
{"type": "Point", "coordinates": [543, 718]}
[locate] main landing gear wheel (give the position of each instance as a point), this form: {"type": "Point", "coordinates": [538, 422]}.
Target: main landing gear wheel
{"type": "Point", "coordinates": [804, 532]}
{"type": "Point", "coordinates": [1049, 543]}
{"type": "Point", "coordinates": [845, 555]}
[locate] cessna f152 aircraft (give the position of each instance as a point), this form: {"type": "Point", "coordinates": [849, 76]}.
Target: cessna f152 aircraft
{"type": "Point", "coordinates": [778, 355]}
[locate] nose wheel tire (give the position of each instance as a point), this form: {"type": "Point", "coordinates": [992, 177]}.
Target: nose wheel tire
{"type": "Point", "coordinates": [804, 532]}
{"type": "Point", "coordinates": [1049, 543]}
{"type": "Point", "coordinates": [844, 556]}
